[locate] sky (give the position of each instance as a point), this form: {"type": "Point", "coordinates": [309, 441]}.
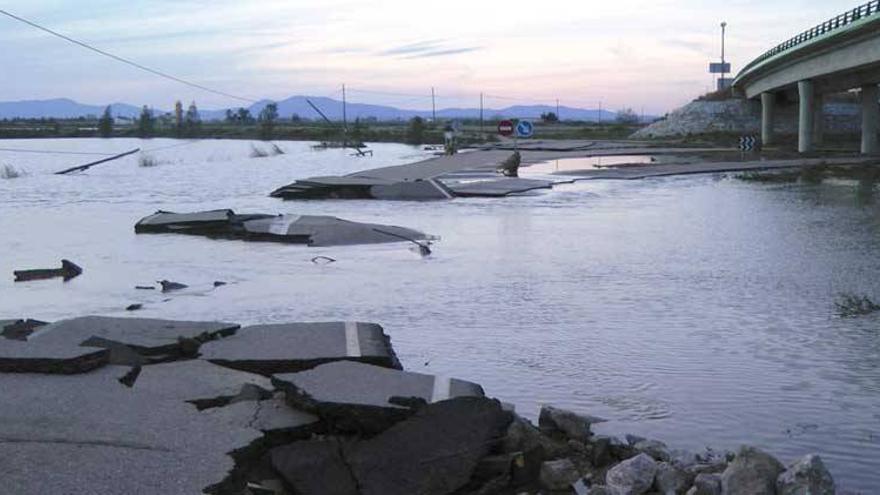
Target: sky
{"type": "Point", "coordinates": [649, 55]}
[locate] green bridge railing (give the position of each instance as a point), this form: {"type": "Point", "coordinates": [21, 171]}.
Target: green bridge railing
{"type": "Point", "coordinates": [867, 10]}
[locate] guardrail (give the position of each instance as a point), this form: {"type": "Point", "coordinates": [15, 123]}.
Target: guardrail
{"type": "Point", "coordinates": [869, 9]}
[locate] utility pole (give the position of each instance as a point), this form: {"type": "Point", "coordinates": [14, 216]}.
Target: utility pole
{"type": "Point", "coordinates": [481, 113]}
{"type": "Point", "coordinates": [344, 115]}
{"type": "Point", "coordinates": [557, 109]}
{"type": "Point", "coordinates": [600, 111]}
{"type": "Point", "coordinates": [723, 33]}
{"type": "Point", "coordinates": [433, 107]}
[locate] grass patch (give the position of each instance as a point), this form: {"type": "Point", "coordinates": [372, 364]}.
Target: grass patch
{"type": "Point", "coordinates": [258, 152]}
{"type": "Point", "coordinates": [145, 160]}
{"type": "Point", "coordinates": [849, 305]}
{"type": "Point", "coordinates": [783, 177]}
{"type": "Point", "coordinates": [10, 172]}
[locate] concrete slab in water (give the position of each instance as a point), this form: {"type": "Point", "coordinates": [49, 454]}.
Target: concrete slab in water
{"type": "Point", "coordinates": [421, 190]}
{"type": "Point", "coordinates": [497, 188]}
{"type": "Point", "coordinates": [291, 347]}
{"type": "Point", "coordinates": [307, 229]}
{"type": "Point", "coordinates": [162, 219]}
{"type": "Point", "coordinates": [87, 433]}
{"type": "Point", "coordinates": [327, 231]}
{"type": "Point", "coordinates": [357, 397]}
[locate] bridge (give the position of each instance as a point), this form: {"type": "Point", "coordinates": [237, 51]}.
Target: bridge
{"type": "Point", "coordinates": [838, 55]}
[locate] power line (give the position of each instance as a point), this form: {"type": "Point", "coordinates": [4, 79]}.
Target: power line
{"type": "Point", "coordinates": [126, 61]}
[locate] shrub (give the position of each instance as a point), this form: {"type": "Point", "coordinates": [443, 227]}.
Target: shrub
{"type": "Point", "coordinates": [145, 160]}
{"type": "Point", "coordinates": [258, 152]}
{"type": "Point", "coordinates": [850, 305]}
{"type": "Point", "coordinates": [10, 172]}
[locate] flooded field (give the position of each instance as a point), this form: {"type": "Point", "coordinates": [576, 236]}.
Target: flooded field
{"type": "Point", "coordinates": [698, 310]}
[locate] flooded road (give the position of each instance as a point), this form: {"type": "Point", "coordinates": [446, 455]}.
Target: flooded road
{"type": "Point", "coordinates": [695, 310]}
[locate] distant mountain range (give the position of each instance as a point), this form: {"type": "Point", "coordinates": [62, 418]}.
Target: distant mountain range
{"type": "Point", "coordinates": [67, 108]}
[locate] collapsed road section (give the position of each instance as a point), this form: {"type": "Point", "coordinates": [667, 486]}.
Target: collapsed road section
{"type": "Point", "coordinates": [295, 229]}
{"type": "Point", "coordinates": [131, 405]}
{"type": "Point", "coordinates": [422, 181]}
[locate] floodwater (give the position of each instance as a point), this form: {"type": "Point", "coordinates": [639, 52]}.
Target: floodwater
{"type": "Point", "coordinates": [586, 163]}
{"type": "Point", "coordinates": [695, 310]}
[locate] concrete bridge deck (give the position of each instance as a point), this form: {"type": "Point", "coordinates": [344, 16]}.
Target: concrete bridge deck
{"type": "Point", "coordinates": [838, 55]}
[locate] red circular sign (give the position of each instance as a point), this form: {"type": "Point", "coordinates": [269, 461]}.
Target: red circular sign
{"type": "Point", "coordinates": [505, 128]}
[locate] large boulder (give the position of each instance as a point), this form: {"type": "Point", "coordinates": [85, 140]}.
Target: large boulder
{"type": "Point", "coordinates": [559, 474]}
{"type": "Point", "coordinates": [706, 484]}
{"type": "Point", "coordinates": [315, 468]}
{"type": "Point", "coordinates": [752, 472]}
{"type": "Point", "coordinates": [434, 452]}
{"type": "Point", "coordinates": [654, 448]}
{"type": "Point", "coordinates": [671, 480]}
{"type": "Point", "coordinates": [553, 420]}
{"type": "Point", "coordinates": [807, 476]}
{"type": "Point", "coordinates": [633, 476]}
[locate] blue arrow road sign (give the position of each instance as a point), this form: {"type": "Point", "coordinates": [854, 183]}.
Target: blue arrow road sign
{"type": "Point", "coordinates": [524, 129]}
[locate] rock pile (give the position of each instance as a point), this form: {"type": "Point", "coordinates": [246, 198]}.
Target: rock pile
{"type": "Point", "coordinates": [126, 405]}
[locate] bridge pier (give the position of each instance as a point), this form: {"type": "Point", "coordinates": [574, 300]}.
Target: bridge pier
{"type": "Point", "coordinates": [807, 112]}
{"type": "Point", "coordinates": [870, 119]}
{"type": "Point", "coordinates": [818, 119]}
{"type": "Point", "coordinates": [768, 100]}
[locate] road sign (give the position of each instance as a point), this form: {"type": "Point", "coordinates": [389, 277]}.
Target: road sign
{"type": "Point", "coordinates": [749, 143]}
{"type": "Point", "coordinates": [719, 68]}
{"type": "Point", "coordinates": [524, 129]}
{"type": "Point", "coordinates": [505, 128]}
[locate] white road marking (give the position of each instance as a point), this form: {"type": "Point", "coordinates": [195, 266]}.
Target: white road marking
{"type": "Point", "coordinates": [442, 386]}
{"type": "Point", "coordinates": [352, 341]}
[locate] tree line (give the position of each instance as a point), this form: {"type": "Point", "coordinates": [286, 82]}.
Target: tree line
{"type": "Point", "coordinates": [188, 124]}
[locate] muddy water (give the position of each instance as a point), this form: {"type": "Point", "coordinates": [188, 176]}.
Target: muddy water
{"type": "Point", "coordinates": [695, 310]}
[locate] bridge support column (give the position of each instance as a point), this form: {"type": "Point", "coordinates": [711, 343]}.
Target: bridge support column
{"type": "Point", "coordinates": [768, 100]}
{"type": "Point", "coordinates": [819, 120]}
{"type": "Point", "coordinates": [807, 116]}
{"type": "Point", "coordinates": [870, 119]}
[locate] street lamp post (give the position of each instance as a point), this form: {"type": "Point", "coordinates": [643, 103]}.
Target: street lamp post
{"type": "Point", "coordinates": [723, 33]}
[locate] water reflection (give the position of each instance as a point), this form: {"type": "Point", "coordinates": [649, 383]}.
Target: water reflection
{"type": "Point", "coordinates": [696, 310]}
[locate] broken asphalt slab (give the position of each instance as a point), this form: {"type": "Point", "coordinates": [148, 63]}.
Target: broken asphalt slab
{"type": "Point", "coordinates": [198, 382]}
{"type": "Point", "coordinates": [52, 358]}
{"type": "Point", "coordinates": [363, 398]}
{"type": "Point", "coordinates": [306, 229]}
{"type": "Point", "coordinates": [83, 344]}
{"type": "Point", "coordinates": [497, 188]}
{"type": "Point", "coordinates": [19, 329]}
{"type": "Point", "coordinates": [434, 452]}
{"type": "Point", "coordinates": [87, 433]}
{"type": "Point", "coordinates": [292, 347]}
{"type": "Point", "coordinates": [146, 336]}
